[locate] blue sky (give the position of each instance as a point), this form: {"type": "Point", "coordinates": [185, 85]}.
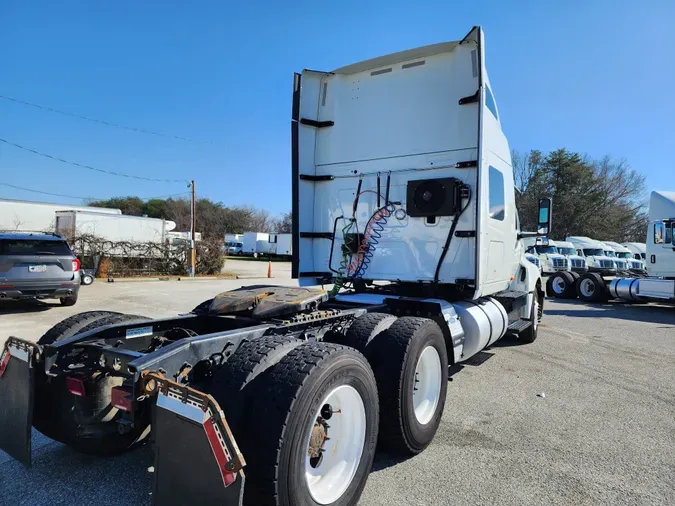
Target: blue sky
{"type": "Point", "coordinates": [591, 76]}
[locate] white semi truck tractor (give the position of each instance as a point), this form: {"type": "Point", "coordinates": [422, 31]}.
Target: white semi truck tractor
{"type": "Point", "coordinates": [403, 201]}
{"type": "Point", "coordinates": [638, 250]}
{"type": "Point", "coordinates": [550, 259]}
{"type": "Point", "coordinates": [624, 254]}
{"type": "Point", "coordinates": [659, 282]}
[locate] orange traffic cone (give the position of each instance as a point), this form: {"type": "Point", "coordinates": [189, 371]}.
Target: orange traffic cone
{"type": "Point", "coordinates": [269, 269]}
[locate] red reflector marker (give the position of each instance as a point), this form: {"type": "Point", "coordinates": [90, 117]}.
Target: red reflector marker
{"type": "Point", "coordinates": [219, 453]}
{"type": "Point", "coordinates": [4, 361]}
{"type": "Point", "coordinates": [121, 398]}
{"type": "Point", "coordinates": [75, 386]}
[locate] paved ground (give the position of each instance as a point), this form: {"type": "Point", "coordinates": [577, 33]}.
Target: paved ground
{"type": "Point", "coordinates": [603, 434]}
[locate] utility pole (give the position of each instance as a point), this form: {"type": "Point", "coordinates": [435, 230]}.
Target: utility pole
{"type": "Point", "coordinates": [193, 232]}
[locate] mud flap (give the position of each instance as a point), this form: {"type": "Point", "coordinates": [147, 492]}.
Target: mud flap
{"type": "Point", "coordinates": [17, 383]}
{"type": "Point", "coordinates": [196, 457]}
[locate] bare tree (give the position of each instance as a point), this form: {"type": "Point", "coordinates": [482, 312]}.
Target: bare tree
{"type": "Point", "coordinates": [283, 224]}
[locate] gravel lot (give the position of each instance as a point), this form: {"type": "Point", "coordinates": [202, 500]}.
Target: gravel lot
{"type": "Point", "coordinates": [603, 434]}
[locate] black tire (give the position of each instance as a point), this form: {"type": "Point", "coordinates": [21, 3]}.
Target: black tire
{"type": "Point", "coordinates": [238, 382]}
{"type": "Point", "coordinates": [72, 325]}
{"type": "Point", "coordinates": [394, 357]}
{"type": "Point", "coordinates": [276, 446]}
{"type": "Point", "coordinates": [69, 301]}
{"type": "Point", "coordinates": [576, 276]}
{"type": "Point", "coordinates": [592, 288]}
{"type": "Point", "coordinates": [87, 279]}
{"type": "Point", "coordinates": [363, 330]}
{"type": "Point", "coordinates": [62, 416]}
{"type": "Point", "coordinates": [529, 335]}
{"type": "Point", "coordinates": [561, 286]}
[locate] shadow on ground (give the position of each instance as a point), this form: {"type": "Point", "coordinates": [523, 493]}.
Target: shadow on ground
{"type": "Point", "coordinates": [26, 306]}
{"type": "Point", "coordinates": [61, 476]}
{"type": "Point", "coordinates": [618, 310]}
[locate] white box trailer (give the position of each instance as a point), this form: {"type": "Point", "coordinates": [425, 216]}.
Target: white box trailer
{"type": "Point", "coordinates": [234, 238]}
{"type": "Point", "coordinates": [281, 244]}
{"type": "Point", "coordinates": [264, 247]}
{"type": "Point", "coordinates": [113, 227]}
{"type": "Point", "coordinates": [24, 215]}
{"type": "Point", "coordinates": [251, 241]}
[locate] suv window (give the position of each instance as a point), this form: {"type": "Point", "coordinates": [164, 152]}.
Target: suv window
{"type": "Point", "coordinates": [669, 232]}
{"type": "Point", "coordinates": [33, 247]}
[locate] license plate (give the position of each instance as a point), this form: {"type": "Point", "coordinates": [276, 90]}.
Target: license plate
{"type": "Point", "coordinates": [37, 268]}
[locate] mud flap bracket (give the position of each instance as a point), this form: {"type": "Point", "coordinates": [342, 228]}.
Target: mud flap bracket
{"type": "Point", "coordinates": [196, 456]}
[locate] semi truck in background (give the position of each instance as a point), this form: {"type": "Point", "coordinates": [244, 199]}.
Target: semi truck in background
{"type": "Point", "coordinates": [659, 282]}
{"type": "Point", "coordinates": [638, 250]}
{"type": "Point", "coordinates": [416, 228]}
{"type": "Point", "coordinates": [636, 266]}
{"type": "Point", "coordinates": [547, 252]}
{"type": "Point", "coordinates": [594, 253]}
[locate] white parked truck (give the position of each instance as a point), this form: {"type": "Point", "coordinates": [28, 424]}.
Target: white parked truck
{"type": "Point", "coordinates": [594, 253]}
{"type": "Point", "coordinates": [619, 264]}
{"type": "Point", "coordinates": [549, 256]}
{"type": "Point", "coordinates": [658, 284]}
{"type": "Point", "coordinates": [416, 226]}
{"type": "Point", "coordinates": [281, 245]}
{"type": "Point", "coordinates": [626, 255]}
{"type": "Point", "coordinates": [250, 242]}
{"type": "Point", "coordinates": [577, 262]}
{"type": "Point", "coordinates": [638, 250]}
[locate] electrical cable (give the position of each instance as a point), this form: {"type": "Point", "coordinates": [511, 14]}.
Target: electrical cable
{"type": "Point", "coordinates": [83, 198]}
{"type": "Point", "coordinates": [451, 233]}
{"type": "Point", "coordinates": [89, 167]}
{"type": "Point", "coordinates": [102, 122]}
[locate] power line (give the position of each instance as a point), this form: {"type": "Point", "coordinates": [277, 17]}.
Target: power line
{"type": "Point", "coordinates": [84, 198]}
{"type": "Point", "coordinates": [89, 167]}
{"type": "Point", "coordinates": [103, 122]}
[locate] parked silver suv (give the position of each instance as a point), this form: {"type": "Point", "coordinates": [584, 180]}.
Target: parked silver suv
{"type": "Point", "coordinates": [38, 266]}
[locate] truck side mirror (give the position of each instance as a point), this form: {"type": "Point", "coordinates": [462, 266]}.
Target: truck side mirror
{"type": "Point", "coordinates": [544, 221]}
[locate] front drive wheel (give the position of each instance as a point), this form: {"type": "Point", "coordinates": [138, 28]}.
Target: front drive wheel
{"type": "Point", "coordinates": [410, 362]}
{"type": "Point", "coordinates": [529, 335]}
{"type": "Point", "coordinates": [592, 288]}
{"type": "Point", "coordinates": [561, 286]}
{"type": "Point", "coordinates": [316, 429]}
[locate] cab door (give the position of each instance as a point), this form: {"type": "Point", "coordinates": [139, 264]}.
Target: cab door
{"type": "Point", "coordinates": [661, 249]}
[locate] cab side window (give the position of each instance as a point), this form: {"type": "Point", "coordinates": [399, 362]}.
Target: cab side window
{"type": "Point", "coordinates": [659, 233]}
{"type": "Point", "coordinates": [497, 195]}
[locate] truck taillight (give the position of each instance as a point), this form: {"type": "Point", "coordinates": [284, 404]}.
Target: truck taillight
{"type": "Point", "coordinates": [75, 386]}
{"type": "Point", "coordinates": [122, 398]}
{"type": "Point", "coordinates": [76, 265]}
